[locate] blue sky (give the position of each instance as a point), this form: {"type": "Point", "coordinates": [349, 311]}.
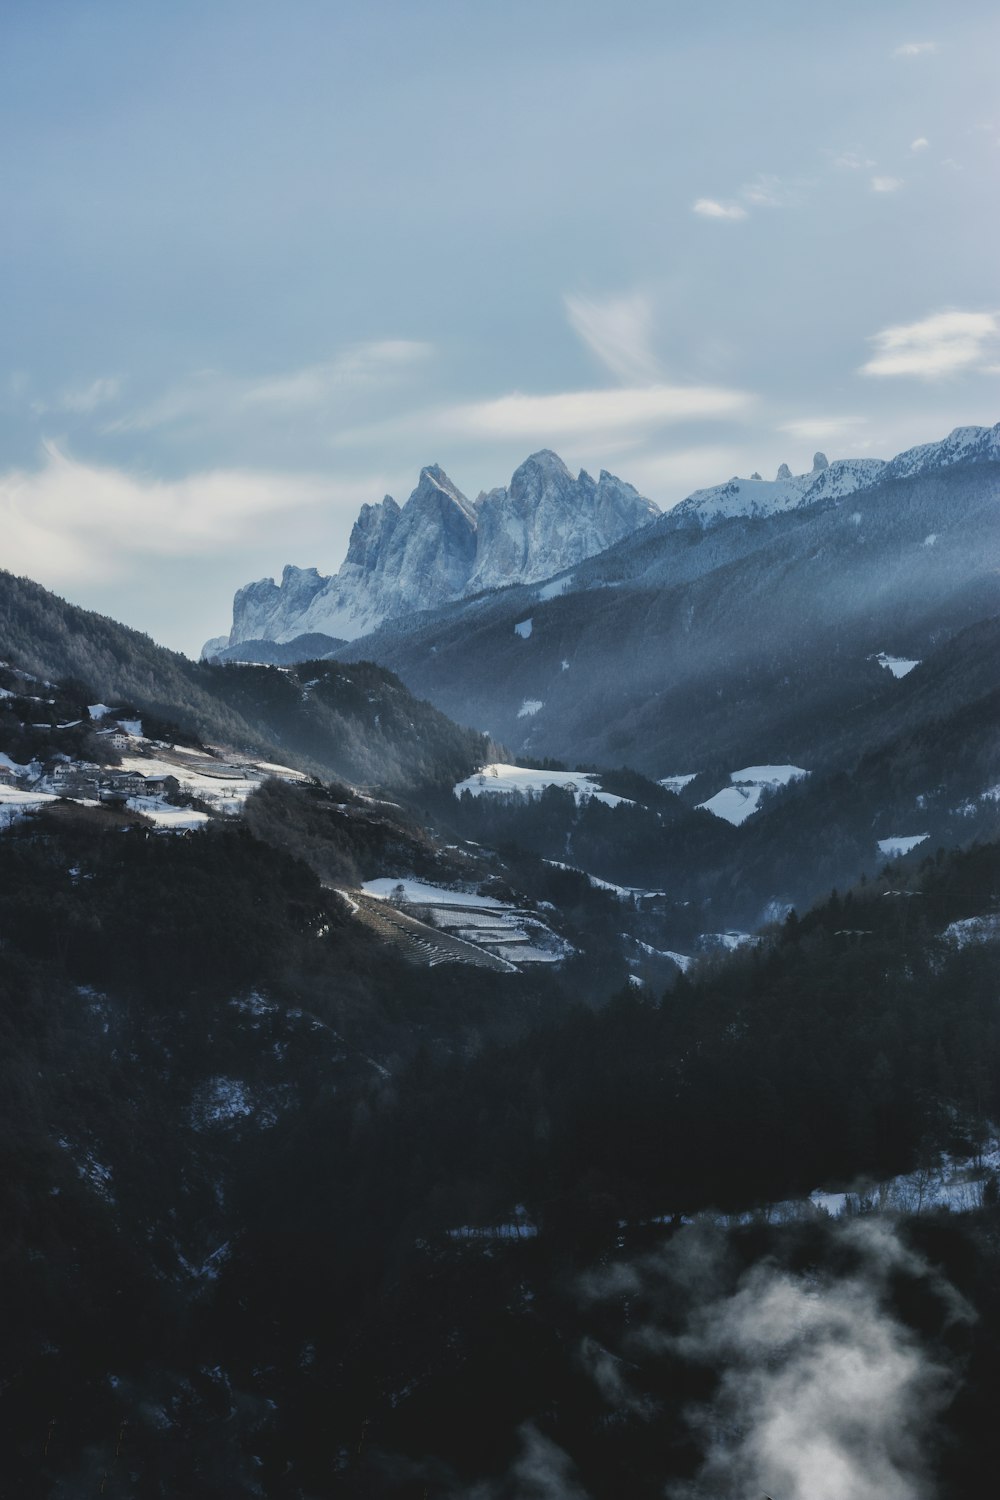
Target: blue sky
{"type": "Point", "coordinates": [261, 262]}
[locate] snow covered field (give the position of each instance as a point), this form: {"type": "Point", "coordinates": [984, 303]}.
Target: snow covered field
{"type": "Point", "coordinates": [417, 893]}
{"type": "Point", "coordinates": [677, 783]}
{"type": "Point", "coordinates": [902, 844]}
{"type": "Point", "coordinates": [736, 803]}
{"type": "Point", "coordinates": [497, 927]}
{"type": "Point", "coordinates": [497, 779]}
{"type": "Point", "coordinates": [897, 665]}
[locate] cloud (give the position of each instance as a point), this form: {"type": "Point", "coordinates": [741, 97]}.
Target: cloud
{"type": "Point", "coordinates": [765, 191]}
{"type": "Point", "coordinates": [89, 397]}
{"type": "Point", "coordinates": [70, 522]}
{"type": "Point", "coordinates": [212, 396]}
{"type": "Point", "coordinates": [851, 161]}
{"type": "Point", "coordinates": [886, 184]}
{"type": "Point", "coordinates": [920, 144]}
{"type": "Point", "coordinates": [603, 417]}
{"type": "Point", "coordinates": [821, 1392]}
{"type": "Point", "coordinates": [939, 345]}
{"type": "Point", "coordinates": [821, 429]}
{"type": "Point", "coordinates": [617, 331]}
{"type": "Point", "coordinates": [915, 49]}
{"type": "Point", "coordinates": [710, 208]}
{"type": "Point", "coordinates": [574, 413]}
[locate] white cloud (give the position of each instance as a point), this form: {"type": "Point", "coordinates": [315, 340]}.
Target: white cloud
{"type": "Point", "coordinates": [915, 49]}
{"type": "Point", "coordinates": [617, 331]}
{"type": "Point", "coordinates": [607, 418]}
{"type": "Point", "coordinates": [70, 522]}
{"type": "Point", "coordinates": [572, 413]}
{"type": "Point", "coordinates": [710, 208]}
{"type": "Point", "coordinates": [920, 144]}
{"type": "Point", "coordinates": [886, 184]}
{"type": "Point", "coordinates": [941, 344]}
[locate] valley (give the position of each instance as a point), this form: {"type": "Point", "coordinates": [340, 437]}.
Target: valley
{"type": "Point", "coordinates": [369, 1075]}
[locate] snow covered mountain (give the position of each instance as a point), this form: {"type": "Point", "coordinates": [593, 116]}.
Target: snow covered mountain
{"type": "Point", "coordinates": [440, 546]}
{"type": "Point", "coordinates": [786, 491]}
{"type": "Point", "coordinates": [834, 481]}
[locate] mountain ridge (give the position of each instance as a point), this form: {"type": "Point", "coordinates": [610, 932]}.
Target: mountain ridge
{"type": "Point", "coordinates": [441, 546]}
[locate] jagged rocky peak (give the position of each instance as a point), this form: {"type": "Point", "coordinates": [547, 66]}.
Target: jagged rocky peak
{"type": "Point", "coordinates": [440, 546]}
{"type": "Point", "coordinates": [820, 462]}
{"type": "Point", "coordinates": [370, 533]}
{"type": "Point", "coordinates": [546, 520]}
{"type": "Point", "coordinates": [784, 472]}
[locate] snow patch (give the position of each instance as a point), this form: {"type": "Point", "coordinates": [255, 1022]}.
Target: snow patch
{"type": "Point", "coordinates": [498, 778]}
{"type": "Point", "coordinates": [530, 707]}
{"type": "Point", "coordinates": [419, 893]}
{"type": "Point", "coordinates": [897, 665]}
{"type": "Point", "coordinates": [677, 783]}
{"type": "Point", "coordinates": [553, 589]}
{"type": "Point", "coordinates": [523, 629]}
{"type": "Point", "coordinates": [901, 844]}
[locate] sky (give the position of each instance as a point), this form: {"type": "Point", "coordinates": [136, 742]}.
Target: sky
{"type": "Point", "coordinates": [261, 263]}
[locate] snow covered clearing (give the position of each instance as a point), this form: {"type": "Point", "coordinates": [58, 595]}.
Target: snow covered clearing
{"type": "Point", "coordinates": [897, 665]}
{"type": "Point", "coordinates": [100, 710]}
{"type": "Point", "coordinates": [553, 589]}
{"type": "Point", "coordinates": [729, 941]}
{"type": "Point", "coordinates": [530, 707]}
{"type": "Point", "coordinates": [174, 819]}
{"type": "Point", "coordinates": [736, 803]}
{"type": "Point", "coordinates": [523, 629]}
{"type": "Point", "coordinates": [417, 893]}
{"type": "Point", "coordinates": [499, 778]}
{"type": "Point", "coordinates": [902, 844]}
{"type": "Point", "coordinates": [677, 783]}
{"type": "Point", "coordinates": [767, 775]}
{"type": "Point", "coordinates": [16, 804]}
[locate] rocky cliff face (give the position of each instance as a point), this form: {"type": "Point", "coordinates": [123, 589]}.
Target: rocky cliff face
{"type": "Point", "coordinates": [547, 521]}
{"type": "Point", "coordinates": [440, 546]}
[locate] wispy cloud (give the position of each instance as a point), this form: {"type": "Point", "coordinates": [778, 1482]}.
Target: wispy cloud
{"type": "Point", "coordinates": [851, 161]}
{"type": "Point", "coordinates": [711, 208]}
{"type": "Point", "coordinates": [920, 144]}
{"type": "Point", "coordinates": [822, 429]}
{"type": "Point", "coordinates": [617, 331]}
{"type": "Point", "coordinates": [886, 184]}
{"type": "Point", "coordinates": [70, 521]}
{"type": "Point", "coordinates": [914, 49]}
{"type": "Point", "coordinates": [603, 417]}
{"type": "Point", "coordinates": [939, 345]}
{"type": "Point", "coordinates": [574, 413]}
{"type": "Point", "coordinates": [766, 191]}
{"type": "Point", "coordinates": [212, 395]}
{"type": "Point", "coordinates": [88, 398]}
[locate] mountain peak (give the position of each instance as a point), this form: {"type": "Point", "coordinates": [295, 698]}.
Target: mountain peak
{"type": "Point", "coordinates": [440, 546]}
{"type": "Point", "coordinates": [820, 462]}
